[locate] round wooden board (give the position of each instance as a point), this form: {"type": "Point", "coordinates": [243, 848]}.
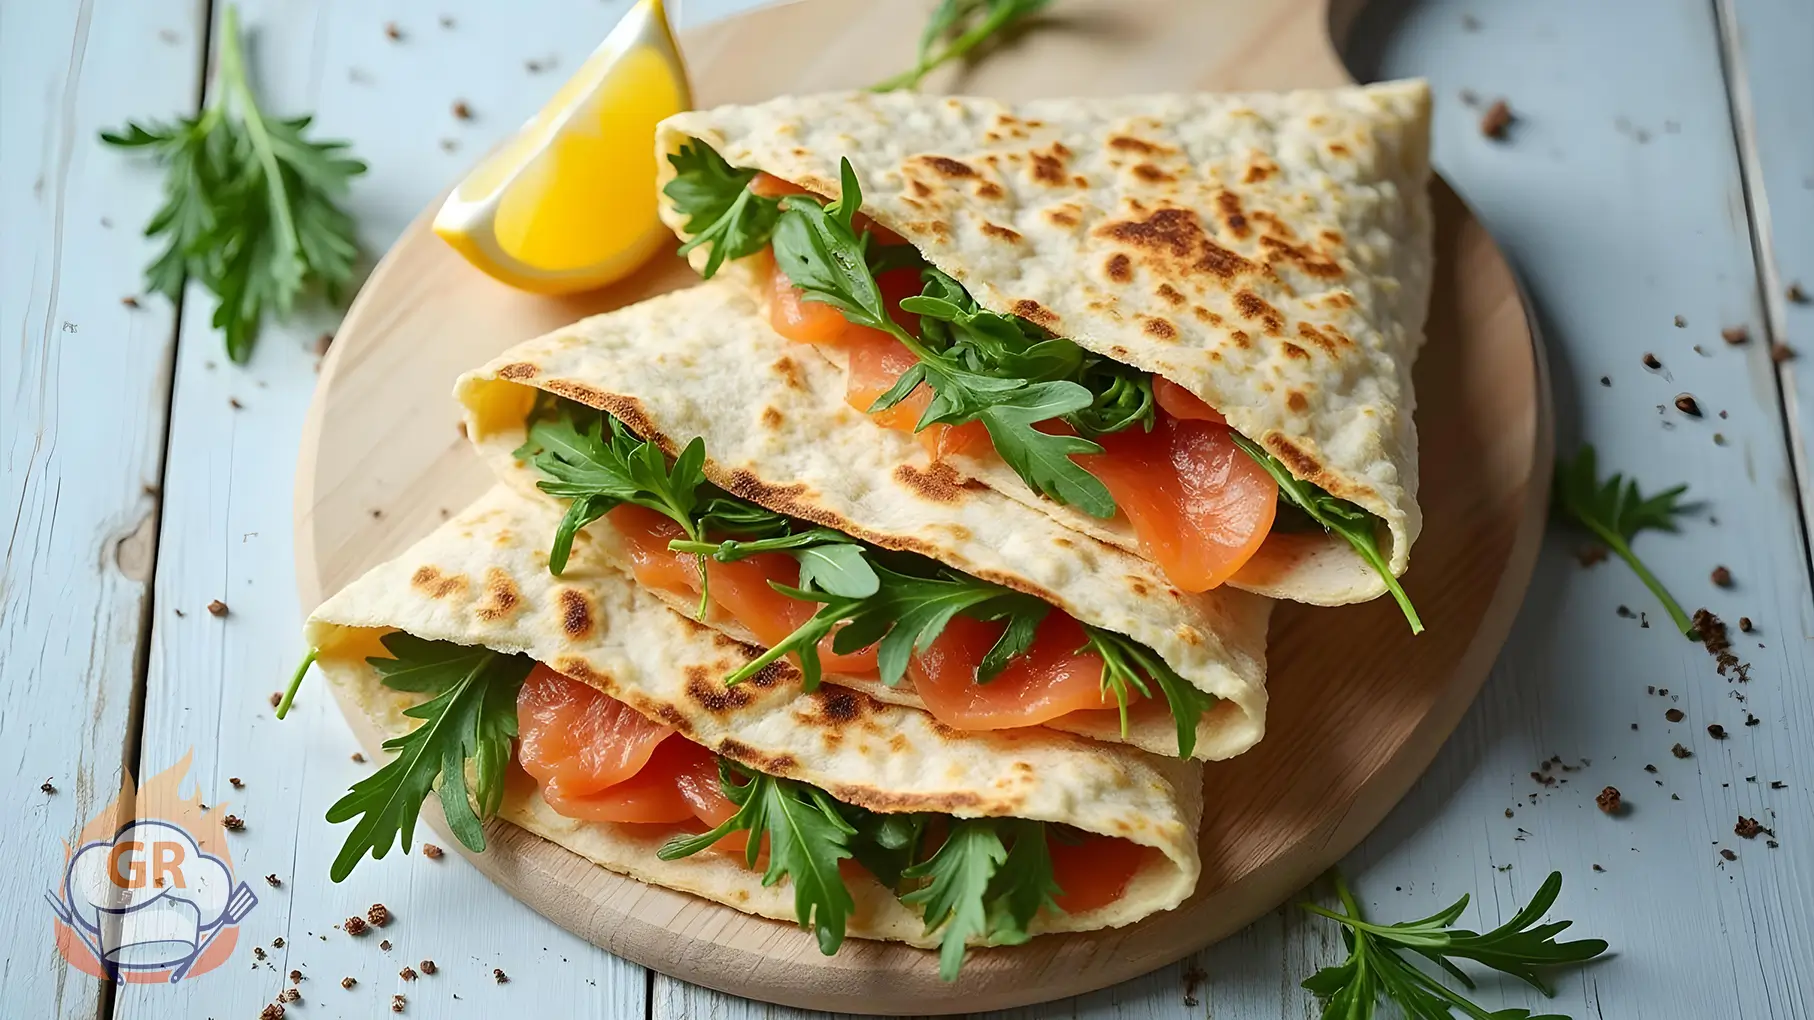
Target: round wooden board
{"type": "Point", "coordinates": [1359, 707]}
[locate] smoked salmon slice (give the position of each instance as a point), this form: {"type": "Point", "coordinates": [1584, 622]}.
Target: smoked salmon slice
{"type": "Point", "coordinates": [1051, 680]}
{"type": "Point", "coordinates": [1200, 507]}
{"type": "Point", "coordinates": [1093, 870]}
{"type": "Point", "coordinates": [1182, 403]}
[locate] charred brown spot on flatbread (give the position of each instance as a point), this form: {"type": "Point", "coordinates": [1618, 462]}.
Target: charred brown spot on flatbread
{"type": "Point", "coordinates": [898, 743]}
{"type": "Point", "coordinates": [1120, 268]}
{"type": "Point", "coordinates": [575, 611]}
{"type": "Point", "coordinates": [775, 764]}
{"type": "Point", "coordinates": [1189, 635]}
{"type": "Point", "coordinates": [1152, 174]}
{"type": "Point", "coordinates": [1340, 150]}
{"type": "Point", "coordinates": [1172, 242]}
{"type": "Point", "coordinates": [1299, 463]}
{"type": "Point", "coordinates": [1205, 315]}
{"type": "Point", "coordinates": [710, 693]}
{"type": "Point", "coordinates": [1338, 299]}
{"type": "Point", "coordinates": [937, 484]}
{"type": "Point", "coordinates": [1311, 263]}
{"type": "Point", "coordinates": [1296, 401]}
{"type": "Point", "coordinates": [671, 716]}
{"type": "Point", "coordinates": [888, 801]}
{"type": "Point", "coordinates": [840, 706]}
{"type": "Point", "coordinates": [789, 371]}
{"type": "Point", "coordinates": [1294, 351]}
{"type": "Point", "coordinates": [1062, 542]}
{"type": "Point", "coordinates": [1253, 306]}
{"type": "Point", "coordinates": [948, 167]}
{"type": "Point", "coordinates": [1118, 351]}
{"type": "Point", "coordinates": [1258, 170]}
{"type": "Point", "coordinates": [1047, 167]}
{"type": "Point", "coordinates": [1159, 329]}
{"type": "Point", "coordinates": [1033, 311]}
{"type": "Point", "coordinates": [742, 483]}
{"type": "Point", "coordinates": [577, 668]}
{"type": "Point", "coordinates": [920, 188]}
{"type": "Point", "coordinates": [1272, 226]}
{"type": "Point", "coordinates": [517, 371]}
{"type": "Point", "coordinates": [1170, 295]}
{"type": "Point", "coordinates": [936, 228]}
{"type": "Point", "coordinates": [500, 599]}
{"type": "Point", "coordinates": [431, 582]}
{"type": "Point", "coordinates": [1315, 336]}
{"type": "Point", "coordinates": [1063, 215]}
{"type": "Point", "coordinates": [989, 190]}
{"type": "Point", "coordinates": [1239, 338]}
{"type": "Point", "coordinates": [1232, 217]}
{"type": "Point", "coordinates": [1129, 143]}
{"type": "Point", "coordinates": [779, 671]}
{"type": "Point", "coordinates": [1001, 233]}
{"type": "Point", "coordinates": [1138, 586]}
{"type": "Point", "coordinates": [771, 418]}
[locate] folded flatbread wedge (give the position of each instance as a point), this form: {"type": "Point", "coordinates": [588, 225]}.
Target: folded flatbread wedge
{"type": "Point", "coordinates": [630, 753]}
{"type": "Point", "coordinates": [737, 485]}
{"type": "Point", "coordinates": [1181, 324]}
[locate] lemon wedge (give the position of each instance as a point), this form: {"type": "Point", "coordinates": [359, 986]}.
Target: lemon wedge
{"type": "Point", "coordinates": [568, 202]}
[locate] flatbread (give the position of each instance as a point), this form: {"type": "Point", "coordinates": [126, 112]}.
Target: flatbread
{"type": "Point", "coordinates": [482, 579]}
{"type": "Point", "coordinates": [703, 362]}
{"type": "Point", "coordinates": [1269, 252]}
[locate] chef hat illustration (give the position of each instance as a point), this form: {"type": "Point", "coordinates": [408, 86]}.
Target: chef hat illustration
{"type": "Point", "coordinates": [149, 895]}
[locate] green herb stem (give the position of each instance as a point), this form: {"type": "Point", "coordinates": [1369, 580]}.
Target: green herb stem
{"type": "Point", "coordinates": [289, 693]}
{"type": "Point", "coordinates": [1622, 549]}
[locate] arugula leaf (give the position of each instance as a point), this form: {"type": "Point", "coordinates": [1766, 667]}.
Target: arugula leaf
{"type": "Point", "coordinates": [720, 208]}
{"type": "Point", "coordinates": [829, 560]}
{"type": "Point", "coordinates": [1127, 665]}
{"type": "Point", "coordinates": [1616, 511]}
{"type": "Point", "coordinates": [471, 717]}
{"type": "Point", "coordinates": [807, 837]}
{"type": "Point", "coordinates": [819, 250]}
{"type": "Point", "coordinates": [250, 208]}
{"type": "Point", "coordinates": [977, 887]}
{"type": "Point", "coordinates": [954, 23]}
{"type": "Point", "coordinates": [1337, 515]}
{"type": "Point", "coordinates": [1377, 966]}
{"type": "Point", "coordinates": [885, 844]}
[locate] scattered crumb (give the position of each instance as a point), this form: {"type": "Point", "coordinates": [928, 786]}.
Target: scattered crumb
{"type": "Point", "coordinates": [378, 915]}
{"type": "Point", "coordinates": [1749, 828]}
{"type": "Point", "coordinates": [450, 145]}
{"type": "Point", "coordinates": [1685, 403]}
{"type": "Point", "coordinates": [277, 943]}
{"type": "Point", "coordinates": [428, 966]}
{"type": "Point", "coordinates": [1723, 578]}
{"type": "Point", "coordinates": [234, 403]}
{"type": "Point", "coordinates": [498, 975]}
{"type": "Point", "coordinates": [237, 785]}
{"type": "Point", "coordinates": [1681, 752]}
{"type": "Point", "coordinates": [46, 787]}
{"type": "Point", "coordinates": [1598, 868]}
{"type": "Point", "coordinates": [447, 21]}
{"type": "Point", "coordinates": [355, 925]}
{"type": "Point", "coordinates": [1675, 715]}
{"type": "Point", "coordinates": [1590, 554]}
{"type": "Point", "coordinates": [1609, 800]}
{"type": "Point", "coordinates": [385, 945]}
{"type": "Point", "coordinates": [1796, 294]}
{"type": "Point", "coordinates": [392, 32]}
{"type": "Point", "coordinates": [1650, 768]}
{"type": "Point", "coordinates": [1193, 980]}
{"type": "Point", "coordinates": [276, 698]}
{"type": "Point", "coordinates": [431, 851]}
{"type": "Point", "coordinates": [460, 427]}
{"type": "Point", "coordinates": [1744, 624]}
{"type": "Point", "coordinates": [129, 301]}
{"type": "Point", "coordinates": [271, 1012]}
{"type": "Point", "coordinates": [1716, 731]}
{"type": "Point", "coordinates": [1606, 380]}
{"type": "Point", "coordinates": [1781, 352]}
{"type": "Point", "coordinates": [290, 995]}
{"type": "Point", "coordinates": [407, 973]}
{"type": "Point", "coordinates": [1469, 97]}
{"type": "Point", "coordinates": [397, 1003]}
{"type": "Point", "coordinates": [1497, 118]}
{"type": "Point", "coordinates": [1681, 323]}
{"type": "Point", "coordinates": [1751, 720]}
{"type": "Point", "coordinates": [1735, 335]}
{"type": "Point", "coordinates": [1508, 812]}
{"type": "Point", "coordinates": [1728, 854]}
{"type": "Point", "coordinates": [233, 823]}
{"type": "Point", "coordinates": [377, 513]}
{"type": "Point", "coordinates": [461, 111]}
{"type": "Point", "coordinates": [273, 881]}
{"type": "Point", "coordinates": [1713, 637]}
{"type": "Point", "coordinates": [347, 982]}
{"type": "Point", "coordinates": [1625, 611]}
{"type": "Point", "coordinates": [217, 608]}
{"type": "Point", "coordinates": [258, 952]}
{"type": "Point", "coordinates": [358, 758]}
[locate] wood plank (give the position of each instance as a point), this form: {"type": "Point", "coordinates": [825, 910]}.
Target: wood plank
{"type": "Point", "coordinates": [226, 534]}
{"type": "Point", "coordinates": [84, 381]}
{"type": "Point", "coordinates": [1619, 199]}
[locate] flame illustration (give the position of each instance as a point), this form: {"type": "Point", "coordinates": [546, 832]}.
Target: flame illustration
{"type": "Point", "coordinates": [160, 799]}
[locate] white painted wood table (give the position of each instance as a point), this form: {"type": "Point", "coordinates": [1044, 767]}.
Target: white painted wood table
{"type": "Point", "coordinates": [1657, 187]}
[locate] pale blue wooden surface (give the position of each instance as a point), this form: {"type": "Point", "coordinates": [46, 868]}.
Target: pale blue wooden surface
{"type": "Point", "coordinates": [1621, 196]}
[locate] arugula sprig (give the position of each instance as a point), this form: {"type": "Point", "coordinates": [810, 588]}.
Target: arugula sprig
{"type": "Point", "coordinates": [1127, 666]}
{"type": "Point", "coordinates": [957, 27]}
{"type": "Point", "coordinates": [1335, 515]}
{"type": "Point", "coordinates": [1377, 965]}
{"type": "Point", "coordinates": [986, 881]}
{"type": "Point", "coordinates": [1615, 511]}
{"type": "Point", "coordinates": [471, 717]}
{"type": "Point", "coordinates": [251, 204]}
{"type": "Point", "coordinates": [593, 460]}
{"type": "Point", "coordinates": [819, 249]}
{"type": "Point", "coordinates": [720, 208]}
{"type": "Point", "coordinates": [807, 837]}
